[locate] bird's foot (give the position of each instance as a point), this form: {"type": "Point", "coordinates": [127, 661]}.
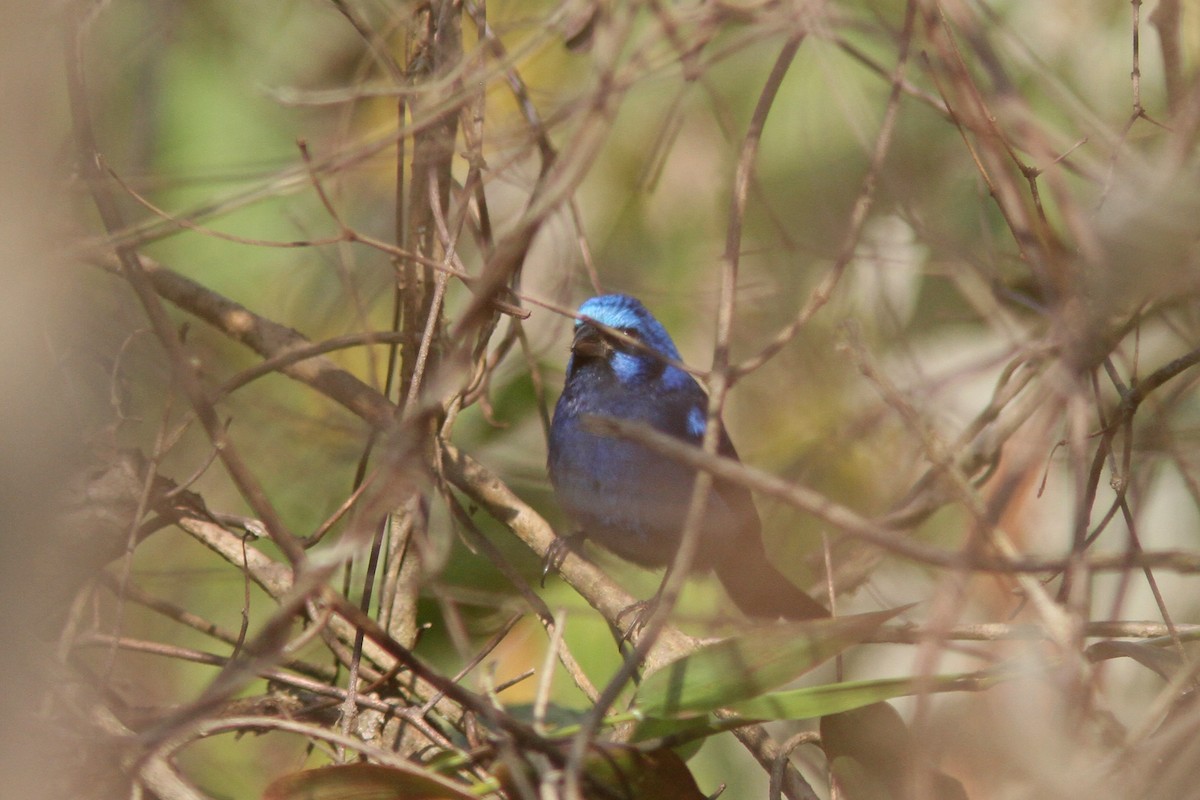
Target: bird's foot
{"type": "Point", "coordinates": [558, 551]}
{"type": "Point", "coordinates": [642, 611]}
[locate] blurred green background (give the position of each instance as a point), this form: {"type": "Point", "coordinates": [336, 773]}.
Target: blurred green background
{"type": "Point", "coordinates": [199, 107]}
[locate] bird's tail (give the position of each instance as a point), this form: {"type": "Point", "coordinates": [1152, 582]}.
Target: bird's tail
{"type": "Point", "coordinates": [760, 590]}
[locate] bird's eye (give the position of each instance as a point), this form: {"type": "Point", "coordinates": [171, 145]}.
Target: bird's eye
{"type": "Point", "coordinates": [632, 333]}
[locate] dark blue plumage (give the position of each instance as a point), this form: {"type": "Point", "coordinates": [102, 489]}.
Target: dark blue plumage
{"type": "Point", "coordinates": [632, 500]}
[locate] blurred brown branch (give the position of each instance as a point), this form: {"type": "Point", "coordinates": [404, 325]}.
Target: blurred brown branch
{"type": "Point", "coordinates": [947, 275]}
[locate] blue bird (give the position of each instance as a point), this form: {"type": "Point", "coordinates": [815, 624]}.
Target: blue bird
{"type": "Point", "coordinates": [632, 500]}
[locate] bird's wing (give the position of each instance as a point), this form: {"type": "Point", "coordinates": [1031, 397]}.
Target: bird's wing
{"type": "Point", "coordinates": [734, 495]}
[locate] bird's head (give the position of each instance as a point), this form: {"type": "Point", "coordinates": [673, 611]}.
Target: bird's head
{"type": "Point", "coordinates": [629, 358]}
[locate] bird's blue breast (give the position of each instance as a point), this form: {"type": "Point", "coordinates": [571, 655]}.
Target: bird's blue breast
{"type": "Point", "coordinates": [625, 496]}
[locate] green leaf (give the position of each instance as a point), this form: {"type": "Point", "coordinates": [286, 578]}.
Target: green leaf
{"type": "Point", "coordinates": [364, 782]}
{"type": "Point", "coordinates": [833, 698]}
{"type": "Point", "coordinates": [742, 667]}
{"type": "Point", "coordinates": [683, 735]}
{"type": "Point", "coordinates": [815, 701]}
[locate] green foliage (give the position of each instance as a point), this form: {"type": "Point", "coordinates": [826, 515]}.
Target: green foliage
{"type": "Point", "coordinates": [958, 256]}
{"type": "Point", "coordinates": [748, 665]}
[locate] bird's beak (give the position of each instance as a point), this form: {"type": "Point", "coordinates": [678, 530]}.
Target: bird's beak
{"type": "Point", "coordinates": [589, 342]}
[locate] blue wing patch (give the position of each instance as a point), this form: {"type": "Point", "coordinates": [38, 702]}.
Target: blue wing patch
{"type": "Point", "coordinates": [696, 423]}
